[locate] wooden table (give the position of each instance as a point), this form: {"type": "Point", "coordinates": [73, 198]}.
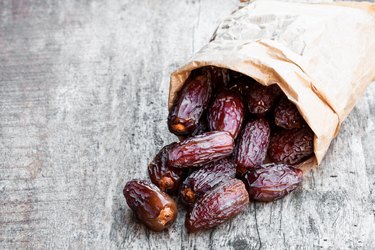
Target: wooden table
{"type": "Point", "coordinates": [83, 107]}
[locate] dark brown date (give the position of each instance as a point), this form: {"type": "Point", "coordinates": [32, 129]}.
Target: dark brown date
{"type": "Point", "coordinates": [192, 101]}
{"type": "Point", "coordinates": [202, 126]}
{"type": "Point", "coordinates": [226, 113]}
{"type": "Point", "coordinates": [201, 149]}
{"type": "Point", "coordinates": [234, 75]}
{"type": "Point", "coordinates": [166, 177]}
{"type": "Point", "coordinates": [272, 181]}
{"type": "Point", "coordinates": [287, 115]}
{"type": "Point", "coordinates": [252, 145]}
{"type": "Point", "coordinates": [242, 85]}
{"type": "Point", "coordinates": [204, 179]}
{"type": "Point", "coordinates": [152, 206]}
{"type": "Point", "coordinates": [291, 146]}
{"type": "Point", "coordinates": [219, 76]}
{"type": "Point", "coordinates": [261, 99]}
{"type": "Point", "coordinates": [218, 205]}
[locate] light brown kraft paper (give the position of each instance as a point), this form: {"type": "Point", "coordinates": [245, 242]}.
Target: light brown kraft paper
{"type": "Point", "coordinates": [321, 55]}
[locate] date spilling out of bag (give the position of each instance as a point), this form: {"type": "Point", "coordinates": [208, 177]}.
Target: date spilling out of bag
{"type": "Point", "coordinates": [239, 142]}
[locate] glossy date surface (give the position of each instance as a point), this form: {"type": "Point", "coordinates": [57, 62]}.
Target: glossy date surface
{"type": "Point", "coordinates": [291, 146]}
{"type": "Point", "coordinates": [201, 149]}
{"type": "Point", "coordinates": [272, 181]}
{"type": "Point", "coordinates": [226, 113]}
{"type": "Point", "coordinates": [217, 206]}
{"type": "Point", "coordinates": [287, 115]}
{"type": "Point", "coordinates": [261, 99]}
{"type": "Point", "coordinates": [166, 177]}
{"type": "Point", "coordinates": [153, 207]}
{"type": "Point", "coordinates": [204, 179]}
{"type": "Point", "coordinates": [191, 102]}
{"type": "Point", "coordinates": [252, 145]}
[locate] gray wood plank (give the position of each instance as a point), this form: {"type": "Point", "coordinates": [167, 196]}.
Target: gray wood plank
{"type": "Point", "coordinates": [83, 96]}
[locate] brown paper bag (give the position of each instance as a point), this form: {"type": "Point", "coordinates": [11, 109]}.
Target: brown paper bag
{"type": "Point", "coordinates": [321, 55]}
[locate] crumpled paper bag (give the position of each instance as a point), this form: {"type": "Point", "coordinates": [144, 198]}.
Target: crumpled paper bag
{"type": "Point", "coordinates": [321, 55]}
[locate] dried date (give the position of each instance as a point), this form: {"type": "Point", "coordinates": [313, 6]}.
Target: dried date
{"type": "Point", "coordinates": [234, 75]}
{"type": "Point", "coordinates": [153, 207]}
{"type": "Point", "coordinates": [226, 113]}
{"type": "Point", "coordinates": [201, 149]}
{"type": "Point", "coordinates": [287, 115]}
{"type": "Point", "coordinates": [252, 145]}
{"type": "Point", "coordinates": [219, 76]}
{"type": "Point", "coordinates": [242, 85]}
{"type": "Point", "coordinates": [291, 146]}
{"type": "Point", "coordinates": [166, 177]}
{"type": "Point", "coordinates": [261, 99]}
{"type": "Point", "coordinates": [272, 181]}
{"type": "Point", "coordinates": [192, 101]}
{"type": "Point", "coordinates": [202, 126]}
{"type": "Point", "coordinates": [217, 206]}
{"type": "Point", "coordinates": [204, 179]}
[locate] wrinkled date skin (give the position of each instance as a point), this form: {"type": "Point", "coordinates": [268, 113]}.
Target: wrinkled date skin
{"type": "Point", "coordinates": [272, 181]}
{"type": "Point", "coordinates": [166, 177]}
{"type": "Point", "coordinates": [204, 179]}
{"type": "Point", "coordinates": [218, 205]}
{"type": "Point", "coordinates": [201, 149]}
{"type": "Point", "coordinates": [252, 145]}
{"type": "Point", "coordinates": [291, 146]}
{"type": "Point", "coordinates": [192, 101]}
{"type": "Point", "coordinates": [261, 99]}
{"type": "Point", "coordinates": [226, 113]}
{"type": "Point", "coordinates": [152, 206]}
{"type": "Point", "coordinates": [287, 115]}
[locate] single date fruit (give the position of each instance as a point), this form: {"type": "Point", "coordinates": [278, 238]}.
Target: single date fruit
{"type": "Point", "coordinates": [252, 145]}
{"type": "Point", "coordinates": [201, 149]}
{"type": "Point", "coordinates": [166, 177]}
{"type": "Point", "coordinates": [287, 115]}
{"type": "Point", "coordinates": [261, 99]}
{"type": "Point", "coordinates": [153, 207]}
{"type": "Point", "coordinates": [217, 206]}
{"type": "Point", "coordinates": [291, 146]}
{"type": "Point", "coordinates": [191, 102]}
{"type": "Point", "coordinates": [204, 179]}
{"type": "Point", "coordinates": [226, 113]}
{"type": "Point", "coordinates": [272, 181]}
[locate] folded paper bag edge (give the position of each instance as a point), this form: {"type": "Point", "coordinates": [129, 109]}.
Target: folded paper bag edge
{"type": "Point", "coordinates": [267, 69]}
{"type": "Point", "coordinates": [238, 62]}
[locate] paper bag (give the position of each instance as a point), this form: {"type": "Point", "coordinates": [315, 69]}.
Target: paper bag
{"type": "Point", "coordinates": [321, 55]}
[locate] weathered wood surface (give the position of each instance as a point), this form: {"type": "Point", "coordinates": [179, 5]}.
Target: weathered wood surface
{"type": "Point", "coordinates": [83, 95]}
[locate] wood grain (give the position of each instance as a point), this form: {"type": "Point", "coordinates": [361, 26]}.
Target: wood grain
{"type": "Point", "coordinates": [83, 97]}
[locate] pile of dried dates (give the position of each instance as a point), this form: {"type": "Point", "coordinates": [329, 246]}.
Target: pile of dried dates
{"type": "Point", "coordinates": [239, 142]}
